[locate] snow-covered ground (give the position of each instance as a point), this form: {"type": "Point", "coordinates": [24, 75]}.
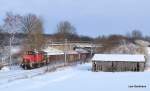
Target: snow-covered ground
{"type": "Point", "coordinates": [79, 78]}
{"type": "Point", "coordinates": [15, 73]}
{"type": "Point", "coordinates": [148, 59]}
{"type": "Point", "coordinates": [75, 78]}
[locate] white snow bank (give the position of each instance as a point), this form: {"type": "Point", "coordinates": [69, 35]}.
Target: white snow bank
{"type": "Point", "coordinates": [148, 59]}
{"type": "Point", "coordinates": [5, 68]}
{"type": "Point", "coordinates": [127, 49]}
{"type": "Point", "coordinates": [9, 75]}
{"type": "Point", "coordinates": [142, 43]}
{"type": "Point", "coordinates": [148, 50]}
{"type": "Point", "coordinates": [147, 69]}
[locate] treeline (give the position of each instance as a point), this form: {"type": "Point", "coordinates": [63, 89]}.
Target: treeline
{"type": "Point", "coordinates": [128, 42]}
{"type": "Point", "coordinates": [28, 30]}
{"type": "Point", "coordinates": [133, 35]}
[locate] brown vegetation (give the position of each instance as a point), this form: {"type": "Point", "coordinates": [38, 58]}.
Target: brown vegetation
{"type": "Point", "coordinates": [33, 27]}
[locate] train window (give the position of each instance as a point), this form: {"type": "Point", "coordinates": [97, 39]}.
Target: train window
{"type": "Point", "coordinates": [30, 52]}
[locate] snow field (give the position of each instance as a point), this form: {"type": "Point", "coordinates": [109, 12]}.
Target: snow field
{"type": "Point", "coordinates": [81, 78]}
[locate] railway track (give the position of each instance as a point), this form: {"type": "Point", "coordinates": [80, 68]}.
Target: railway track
{"type": "Point", "coordinates": [18, 74]}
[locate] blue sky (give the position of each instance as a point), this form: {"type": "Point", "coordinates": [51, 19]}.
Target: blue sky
{"type": "Point", "coordinates": [90, 17]}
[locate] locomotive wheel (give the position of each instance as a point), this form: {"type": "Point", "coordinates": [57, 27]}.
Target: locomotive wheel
{"type": "Point", "coordinates": [38, 65]}
{"type": "Point", "coordinates": [45, 62]}
{"type": "Point", "coordinates": [25, 67]}
{"type": "Point", "coordinates": [31, 66]}
{"type": "Point", "coordinates": [22, 65]}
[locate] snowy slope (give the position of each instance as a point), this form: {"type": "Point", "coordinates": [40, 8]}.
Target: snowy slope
{"type": "Point", "coordinates": [12, 75]}
{"type": "Point", "coordinates": [148, 56]}
{"type": "Point", "coordinates": [80, 78]}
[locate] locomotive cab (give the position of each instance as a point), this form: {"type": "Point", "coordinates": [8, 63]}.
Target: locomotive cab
{"type": "Point", "coordinates": [33, 59]}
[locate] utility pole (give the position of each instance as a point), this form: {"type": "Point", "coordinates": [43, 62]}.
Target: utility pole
{"type": "Point", "coordinates": [10, 47]}
{"type": "Point", "coordinates": [91, 49]}
{"type": "Point", "coordinates": [65, 50]}
{"type": "Point", "coordinates": [10, 52]}
{"type": "Point", "coordinates": [47, 59]}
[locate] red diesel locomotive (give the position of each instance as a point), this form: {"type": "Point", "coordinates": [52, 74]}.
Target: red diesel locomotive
{"type": "Point", "coordinates": [33, 60]}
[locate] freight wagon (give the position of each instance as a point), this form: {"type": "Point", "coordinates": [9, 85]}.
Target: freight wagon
{"type": "Point", "coordinates": [34, 59]}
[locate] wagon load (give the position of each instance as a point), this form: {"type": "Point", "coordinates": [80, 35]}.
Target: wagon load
{"type": "Point", "coordinates": [53, 51]}
{"type": "Point", "coordinates": [72, 56]}
{"type": "Point", "coordinates": [54, 55]}
{"type": "Point", "coordinates": [84, 54]}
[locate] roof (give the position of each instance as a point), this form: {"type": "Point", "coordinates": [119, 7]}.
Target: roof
{"type": "Point", "coordinates": [53, 51]}
{"type": "Point", "coordinates": [81, 50]}
{"type": "Point", "coordinates": [72, 52]}
{"type": "Point", "coordinates": [119, 57]}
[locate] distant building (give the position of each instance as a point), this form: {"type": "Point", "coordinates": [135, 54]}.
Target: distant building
{"type": "Point", "coordinates": [118, 62]}
{"type": "Point", "coordinates": [142, 43]}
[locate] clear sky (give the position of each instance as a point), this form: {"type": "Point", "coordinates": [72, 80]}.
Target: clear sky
{"type": "Point", "coordinates": [90, 17]}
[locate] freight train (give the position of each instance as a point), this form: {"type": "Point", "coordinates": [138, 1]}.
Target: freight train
{"type": "Point", "coordinates": [32, 59]}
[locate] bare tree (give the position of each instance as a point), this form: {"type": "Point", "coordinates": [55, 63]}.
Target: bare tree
{"type": "Point", "coordinates": [147, 38]}
{"type": "Point", "coordinates": [30, 25]}
{"type": "Point", "coordinates": [33, 27]}
{"type": "Point", "coordinates": [65, 27]}
{"type": "Point", "coordinates": [10, 28]}
{"type": "Point", "coordinates": [12, 23]}
{"type": "Point", "coordinates": [65, 30]}
{"type": "Point", "coordinates": [2, 37]}
{"type": "Point", "coordinates": [136, 34]}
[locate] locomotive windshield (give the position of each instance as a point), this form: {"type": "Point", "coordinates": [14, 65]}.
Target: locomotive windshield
{"type": "Point", "coordinates": [30, 52]}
